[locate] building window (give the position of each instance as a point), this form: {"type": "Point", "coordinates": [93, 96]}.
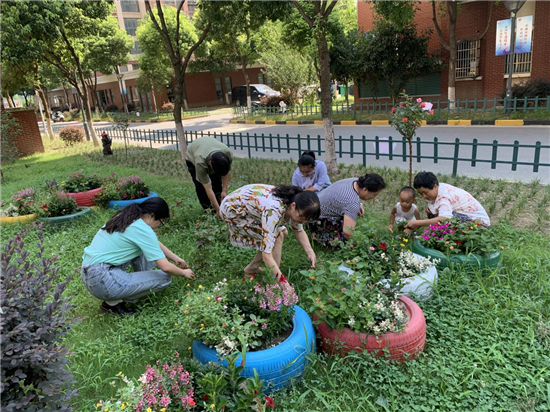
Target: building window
{"type": "Point", "coordinates": [135, 66]}
{"type": "Point", "coordinates": [123, 69]}
{"type": "Point", "coordinates": [135, 49]}
{"type": "Point", "coordinates": [522, 63]}
{"type": "Point", "coordinates": [467, 59]}
{"type": "Point", "coordinates": [219, 90]}
{"type": "Point", "coordinates": [130, 25]}
{"type": "Point", "coordinates": [228, 85]}
{"type": "Point", "coordinates": [129, 6]}
{"type": "Point", "coordinates": [261, 78]}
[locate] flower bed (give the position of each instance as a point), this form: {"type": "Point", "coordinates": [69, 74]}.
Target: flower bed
{"type": "Point", "coordinates": [21, 209]}
{"type": "Point", "coordinates": [491, 260]}
{"type": "Point", "coordinates": [83, 188]}
{"type": "Point", "coordinates": [118, 193]}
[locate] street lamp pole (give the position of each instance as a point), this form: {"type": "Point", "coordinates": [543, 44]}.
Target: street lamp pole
{"type": "Point", "coordinates": [513, 6]}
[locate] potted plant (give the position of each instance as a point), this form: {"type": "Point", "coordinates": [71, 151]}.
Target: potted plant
{"type": "Point", "coordinates": [459, 243]}
{"type": "Point", "coordinates": [83, 188]}
{"type": "Point", "coordinates": [363, 311]}
{"type": "Point", "coordinates": [57, 207]}
{"type": "Point", "coordinates": [259, 320]}
{"type": "Point", "coordinates": [118, 193]}
{"type": "Point", "coordinates": [21, 208]}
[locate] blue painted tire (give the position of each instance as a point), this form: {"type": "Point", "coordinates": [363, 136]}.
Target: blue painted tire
{"type": "Point", "coordinates": [119, 204]}
{"type": "Point", "coordinates": [490, 261]}
{"type": "Point", "coordinates": [277, 366]}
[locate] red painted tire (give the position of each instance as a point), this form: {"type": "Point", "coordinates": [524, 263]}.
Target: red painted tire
{"type": "Point", "coordinates": [85, 198]}
{"type": "Point", "coordinates": [411, 341]}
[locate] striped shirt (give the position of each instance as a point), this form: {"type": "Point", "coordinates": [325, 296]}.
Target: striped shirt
{"type": "Point", "coordinates": [340, 199]}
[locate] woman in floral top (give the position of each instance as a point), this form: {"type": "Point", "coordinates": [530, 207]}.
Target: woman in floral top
{"type": "Point", "coordinates": [256, 216]}
{"type": "Point", "coordinates": [446, 201]}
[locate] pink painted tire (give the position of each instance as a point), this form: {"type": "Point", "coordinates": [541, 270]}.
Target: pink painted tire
{"type": "Point", "coordinates": [85, 198]}
{"type": "Point", "coordinates": [402, 346]}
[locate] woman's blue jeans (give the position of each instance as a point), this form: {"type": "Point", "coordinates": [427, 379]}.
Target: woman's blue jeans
{"type": "Point", "coordinates": [108, 282]}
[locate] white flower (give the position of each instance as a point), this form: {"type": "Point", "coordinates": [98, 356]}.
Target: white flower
{"type": "Point", "coordinates": [351, 321]}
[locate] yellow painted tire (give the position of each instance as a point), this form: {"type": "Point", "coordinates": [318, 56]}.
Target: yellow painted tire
{"type": "Point", "coordinates": [5, 220]}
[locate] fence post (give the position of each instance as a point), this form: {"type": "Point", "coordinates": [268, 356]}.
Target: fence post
{"type": "Point", "coordinates": [287, 143]}
{"type": "Point", "coordinates": [178, 142]}
{"type": "Point", "coordinates": [536, 103]}
{"type": "Point", "coordinates": [255, 142]}
{"type": "Point", "coordinates": [548, 103]}
{"type": "Point", "coordinates": [494, 156]}
{"type": "Point", "coordinates": [537, 157]}
{"type": "Point", "coordinates": [319, 145]}
{"type": "Point", "coordinates": [495, 107]}
{"type": "Point", "coordinates": [278, 143]}
{"type": "Point", "coordinates": [248, 144]}
{"type": "Point", "coordinates": [524, 104]}
{"type": "Point", "coordinates": [474, 152]}
{"type": "Point", "coordinates": [340, 146]}
{"type": "Point", "coordinates": [364, 151]}
{"type": "Point", "coordinates": [418, 154]}
{"type": "Point", "coordinates": [436, 149]}
{"type": "Point", "coordinates": [404, 141]}
{"type": "Point", "coordinates": [455, 157]}
{"type": "Point", "coordinates": [390, 147]}
{"type": "Point", "coordinates": [351, 146]}
{"type": "Point", "coordinates": [150, 140]}
{"type": "Point", "coordinates": [354, 111]}
{"type": "Point", "coordinates": [515, 156]}
{"type": "Point", "coordinates": [263, 143]}
{"type": "Point", "coordinates": [270, 142]}
{"type": "Point", "coordinates": [457, 105]}
{"type": "Point", "coordinates": [484, 104]}
{"type": "Point", "coordinates": [376, 147]}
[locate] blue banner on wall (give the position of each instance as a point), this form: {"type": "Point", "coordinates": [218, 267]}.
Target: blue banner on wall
{"type": "Point", "coordinates": [523, 34]}
{"type": "Point", "coordinates": [504, 30]}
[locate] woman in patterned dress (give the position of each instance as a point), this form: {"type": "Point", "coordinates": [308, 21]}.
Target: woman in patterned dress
{"type": "Point", "coordinates": [256, 215]}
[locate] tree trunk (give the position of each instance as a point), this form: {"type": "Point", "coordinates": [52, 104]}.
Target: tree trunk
{"type": "Point", "coordinates": [155, 100]}
{"type": "Point", "coordinates": [451, 91]}
{"type": "Point", "coordinates": [178, 97]}
{"type": "Point", "coordinates": [185, 104]}
{"type": "Point", "coordinates": [87, 112]}
{"type": "Point", "coordinates": [47, 112]}
{"type": "Point", "coordinates": [347, 94]}
{"type": "Point", "coordinates": [248, 98]}
{"type": "Point", "coordinates": [67, 96]}
{"type": "Point", "coordinates": [410, 161]}
{"type": "Point", "coordinates": [7, 97]}
{"type": "Point", "coordinates": [326, 101]}
{"type": "Point", "coordinates": [40, 107]}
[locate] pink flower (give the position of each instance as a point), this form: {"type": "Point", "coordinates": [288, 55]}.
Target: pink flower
{"type": "Point", "coordinates": [405, 119]}
{"type": "Point", "coordinates": [431, 112]}
{"type": "Point", "coordinates": [371, 248]}
{"type": "Point", "coordinates": [422, 104]}
{"type": "Point", "coordinates": [393, 109]}
{"type": "Point", "coordinates": [419, 100]}
{"type": "Point", "coordinates": [452, 248]}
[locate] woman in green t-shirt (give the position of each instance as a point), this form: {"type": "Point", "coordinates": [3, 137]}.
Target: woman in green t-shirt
{"type": "Point", "coordinates": [129, 239]}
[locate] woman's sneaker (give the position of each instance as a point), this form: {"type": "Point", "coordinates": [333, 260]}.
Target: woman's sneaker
{"type": "Point", "coordinates": [119, 309]}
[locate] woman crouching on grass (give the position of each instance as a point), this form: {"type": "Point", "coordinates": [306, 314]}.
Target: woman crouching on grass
{"type": "Point", "coordinates": [129, 239]}
{"type": "Point", "coordinates": [256, 216]}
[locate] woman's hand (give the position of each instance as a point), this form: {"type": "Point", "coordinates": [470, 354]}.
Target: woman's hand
{"type": "Point", "coordinates": [361, 210]}
{"type": "Point", "coordinates": [188, 273]}
{"type": "Point", "coordinates": [312, 257]}
{"type": "Point", "coordinates": [413, 224]}
{"type": "Point", "coordinates": [181, 263]}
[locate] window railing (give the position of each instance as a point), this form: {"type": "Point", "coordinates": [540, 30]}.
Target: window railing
{"type": "Point", "coordinates": [522, 63]}
{"type": "Point", "coordinates": [467, 59]}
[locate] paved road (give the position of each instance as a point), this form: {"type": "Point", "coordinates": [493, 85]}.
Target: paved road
{"type": "Point", "coordinates": [445, 134]}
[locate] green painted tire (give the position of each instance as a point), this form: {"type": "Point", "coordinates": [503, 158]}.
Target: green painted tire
{"type": "Point", "coordinates": [490, 261]}
{"type": "Point", "coordinates": [64, 219]}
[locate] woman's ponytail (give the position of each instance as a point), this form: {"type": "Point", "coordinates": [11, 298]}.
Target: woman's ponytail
{"type": "Point", "coordinates": [125, 217]}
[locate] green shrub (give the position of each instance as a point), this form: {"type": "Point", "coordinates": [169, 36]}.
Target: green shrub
{"type": "Point", "coordinates": [56, 203]}
{"type": "Point", "coordinates": [111, 108]}
{"type": "Point", "coordinates": [79, 182]}
{"type": "Point", "coordinates": [71, 135]}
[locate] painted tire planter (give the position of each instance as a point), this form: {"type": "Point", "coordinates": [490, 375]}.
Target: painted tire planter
{"type": "Point", "coordinates": [57, 220]}
{"type": "Point", "coordinates": [7, 220]}
{"type": "Point", "coordinates": [411, 341]}
{"type": "Point", "coordinates": [490, 261]}
{"type": "Point", "coordinates": [119, 204]}
{"type": "Point", "coordinates": [419, 286]}
{"type": "Point", "coordinates": [279, 365]}
{"type": "Point", "coordinates": [85, 198]}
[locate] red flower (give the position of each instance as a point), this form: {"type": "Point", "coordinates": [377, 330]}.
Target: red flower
{"type": "Point", "coordinates": [459, 242]}
{"type": "Point", "coordinates": [383, 246]}
{"type": "Point", "coordinates": [422, 104]}
{"type": "Point", "coordinates": [405, 119]}
{"type": "Point", "coordinates": [205, 397]}
{"type": "Point", "coordinates": [269, 402]}
{"type": "Point", "coordinates": [191, 402]}
{"type": "Point", "coordinates": [133, 197]}
{"type": "Point", "coordinates": [218, 298]}
{"type": "Point", "coordinates": [141, 192]}
{"type": "Point", "coordinates": [124, 195]}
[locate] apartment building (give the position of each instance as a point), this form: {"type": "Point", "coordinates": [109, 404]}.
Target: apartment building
{"type": "Point", "coordinates": [480, 73]}
{"type": "Point", "coordinates": [203, 89]}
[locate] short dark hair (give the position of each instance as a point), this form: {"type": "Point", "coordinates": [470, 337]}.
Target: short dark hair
{"type": "Point", "coordinates": [307, 159]}
{"type": "Point", "coordinates": [373, 182]}
{"type": "Point", "coordinates": [307, 202]}
{"type": "Point", "coordinates": [221, 164]}
{"type": "Point", "coordinates": [409, 190]}
{"type": "Point", "coordinates": [425, 179]}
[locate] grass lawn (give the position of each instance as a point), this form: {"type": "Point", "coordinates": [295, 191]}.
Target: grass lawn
{"type": "Point", "coordinates": [488, 335]}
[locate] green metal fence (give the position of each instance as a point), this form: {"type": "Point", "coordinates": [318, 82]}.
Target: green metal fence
{"type": "Point", "coordinates": [456, 151]}
{"type": "Point", "coordinates": [493, 106]}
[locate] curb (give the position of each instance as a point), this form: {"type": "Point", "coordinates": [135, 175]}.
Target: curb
{"type": "Point", "coordinates": [457, 122]}
{"type": "Point", "coordinates": [156, 121]}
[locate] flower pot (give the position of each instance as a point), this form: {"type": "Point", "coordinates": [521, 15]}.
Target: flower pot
{"type": "Point", "coordinates": [492, 260]}
{"type": "Point", "coordinates": [277, 366]}
{"type": "Point", "coordinates": [119, 204]}
{"type": "Point", "coordinates": [6, 220]}
{"type": "Point", "coordinates": [85, 198]}
{"type": "Point", "coordinates": [401, 346]}
{"type": "Point", "coordinates": [419, 286]}
{"type": "Point", "coordinates": [56, 220]}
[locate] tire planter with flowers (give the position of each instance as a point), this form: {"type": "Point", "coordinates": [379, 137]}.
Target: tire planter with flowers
{"type": "Point", "coordinates": [401, 346]}
{"type": "Point", "coordinates": [277, 366]}
{"type": "Point", "coordinates": [489, 261]}
{"type": "Point", "coordinates": [12, 220]}
{"type": "Point", "coordinates": [56, 220]}
{"type": "Point", "coordinates": [119, 204]}
{"type": "Point", "coordinates": [85, 198]}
